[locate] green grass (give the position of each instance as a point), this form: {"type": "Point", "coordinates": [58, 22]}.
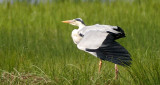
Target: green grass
{"type": "Point", "coordinates": [33, 41]}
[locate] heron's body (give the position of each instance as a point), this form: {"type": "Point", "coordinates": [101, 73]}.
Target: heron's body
{"type": "Point", "coordinates": [99, 40]}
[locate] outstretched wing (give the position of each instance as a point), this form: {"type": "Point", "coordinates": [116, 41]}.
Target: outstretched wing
{"type": "Point", "coordinates": [102, 45]}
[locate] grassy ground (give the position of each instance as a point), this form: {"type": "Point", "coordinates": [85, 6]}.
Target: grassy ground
{"type": "Point", "coordinates": [36, 48]}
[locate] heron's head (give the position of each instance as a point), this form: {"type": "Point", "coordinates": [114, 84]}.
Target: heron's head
{"type": "Point", "coordinates": [76, 22]}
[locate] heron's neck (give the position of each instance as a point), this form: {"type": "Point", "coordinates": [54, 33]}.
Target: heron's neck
{"type": "Point", "coordinates": [81, 26]}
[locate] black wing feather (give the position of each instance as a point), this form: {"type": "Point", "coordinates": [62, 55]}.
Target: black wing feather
{"type": "Point", "coordinates": [112, 51]}
{"type": "Point", "coordinates": [117, 55]}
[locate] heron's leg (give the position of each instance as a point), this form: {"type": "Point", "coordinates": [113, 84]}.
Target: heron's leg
{"type": "Point", "coordinates": [116, 71]}
{"type": "Point", "coordinates": [100, 65]}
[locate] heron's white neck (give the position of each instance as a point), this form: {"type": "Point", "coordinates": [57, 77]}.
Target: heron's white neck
{"type": "Point", "coordinates": [81, 26]}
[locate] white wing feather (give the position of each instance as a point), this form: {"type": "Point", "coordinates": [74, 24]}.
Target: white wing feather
{"type": "Point", "coordinates": [92, 40]}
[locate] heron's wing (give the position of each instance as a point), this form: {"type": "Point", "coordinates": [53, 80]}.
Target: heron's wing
{"type": "Point", "coordinates": [103, 46]}
{"type": "Point", "coordinates": [92, 40]}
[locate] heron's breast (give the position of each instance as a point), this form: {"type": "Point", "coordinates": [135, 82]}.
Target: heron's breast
{"type": "Point", "coordinates": [75, 36]}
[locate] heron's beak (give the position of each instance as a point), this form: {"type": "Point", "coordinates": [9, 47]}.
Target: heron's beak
{"type": "Point", "coordinates": [67, 21]}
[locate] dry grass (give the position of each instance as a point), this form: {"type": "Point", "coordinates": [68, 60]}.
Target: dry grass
{"type": "Point", "coordinates": [23, 78]}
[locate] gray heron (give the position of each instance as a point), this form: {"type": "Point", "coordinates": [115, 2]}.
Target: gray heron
{"type": "Point", "coordinates": [99, 40]}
